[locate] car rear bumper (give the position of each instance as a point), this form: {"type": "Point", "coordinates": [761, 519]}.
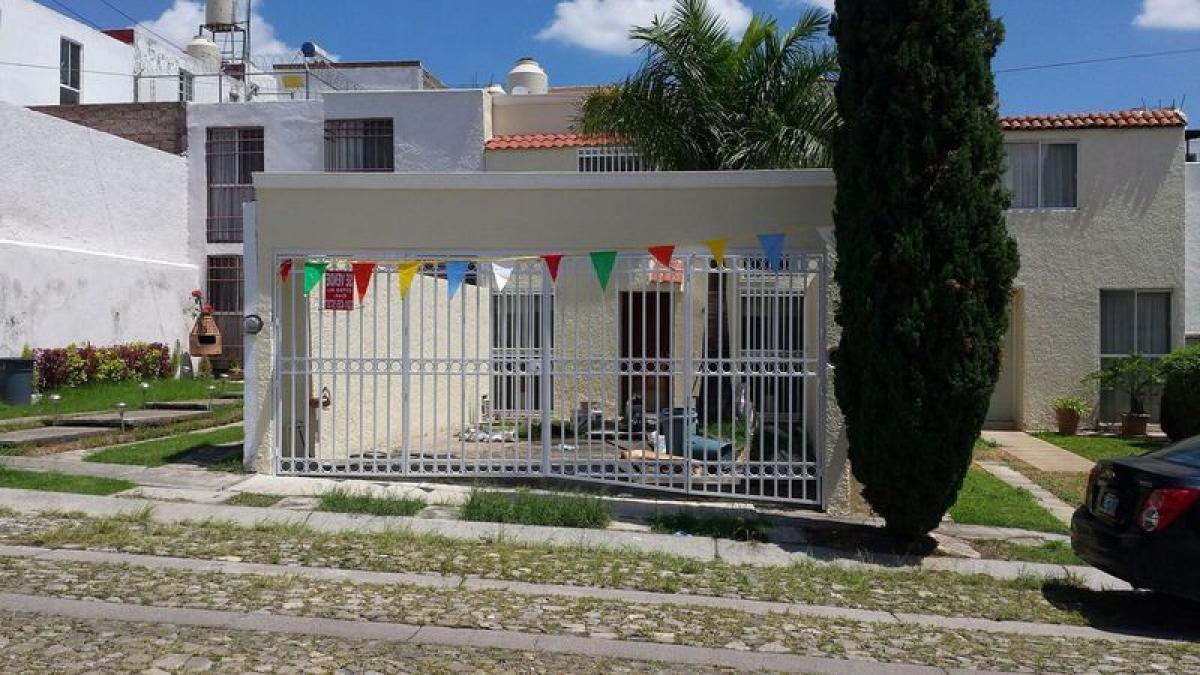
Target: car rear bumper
{"type": "Point", "coordinates": [1162, 564]}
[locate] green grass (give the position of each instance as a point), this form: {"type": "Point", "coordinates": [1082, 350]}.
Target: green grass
{"type": "Point", "coordinates": [1097, 448]}
{"type": "Point", "coordinates": [342, 501]}
{"type": "Point", "coordinates": [104, 396]}
{"type": "Point", "coordinates": [1052, 552]}
{"type": "Point", "coordinates": [165, 450]}
{"type": "Point", "coordinates": [253, 499]}
{"type": "Point", "coordinates": [51, 481]}
{"type": "Point", "coordinates": [987, 500]}
{"type": "Point", "coordinates": [527, 508]}
{"type": "Point", "coordinates": [740, 528]}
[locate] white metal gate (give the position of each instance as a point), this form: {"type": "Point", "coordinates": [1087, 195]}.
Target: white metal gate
{"type": "Point", "coordinates": [696, 378]}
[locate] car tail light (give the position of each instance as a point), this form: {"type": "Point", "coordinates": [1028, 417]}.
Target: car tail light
{"type": "Point", "coordinates": [1163, 506]}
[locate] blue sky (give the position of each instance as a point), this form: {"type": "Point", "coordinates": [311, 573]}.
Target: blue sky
{"type": "Point", "coordinates": [581, 41]}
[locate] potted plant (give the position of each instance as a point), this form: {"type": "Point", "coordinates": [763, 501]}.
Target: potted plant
{"type": "Point", "coordinates": [1069, 410]}
{"type": "Point", "coordinates": [1135, 376]}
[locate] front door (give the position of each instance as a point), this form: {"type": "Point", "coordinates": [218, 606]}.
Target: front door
{"type": "Point", "coordinates": [646, 349]}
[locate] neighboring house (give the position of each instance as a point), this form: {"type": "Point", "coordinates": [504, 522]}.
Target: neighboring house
{"type": "Point", "coordinates": [47, 58]}
{"type": "Point", "coordinates": [1098, 213]}
{"type": "Point", "coordinates": [1193, 237]}
{"type": "Point", "coordinates": [93, 235]}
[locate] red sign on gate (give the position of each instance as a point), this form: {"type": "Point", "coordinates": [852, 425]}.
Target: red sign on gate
{"type": "Point", "coordinates": [339, 290]}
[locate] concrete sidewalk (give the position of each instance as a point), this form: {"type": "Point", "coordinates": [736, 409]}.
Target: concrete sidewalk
{"type": "Point", "coordinates": [696, 548]}
{"type": "Point", "coordinates": [1039, 454]}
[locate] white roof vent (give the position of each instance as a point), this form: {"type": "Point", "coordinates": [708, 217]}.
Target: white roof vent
{"type": "Point", "coordinates": [527, 78]}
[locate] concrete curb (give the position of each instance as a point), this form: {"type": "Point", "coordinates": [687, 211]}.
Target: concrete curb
{"type": "Point", "coordinates": [431, 580]}
{"type": "Point", "coordinates": [695, 548]}
{"type": "Point", "coordinates": [456, 637]}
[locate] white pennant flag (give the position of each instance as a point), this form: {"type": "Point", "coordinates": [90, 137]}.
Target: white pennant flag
{"type": "Point", "coordinates": [501, 271]}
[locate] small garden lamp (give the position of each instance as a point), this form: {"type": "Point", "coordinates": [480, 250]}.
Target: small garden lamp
{"type": "Point", "coordinates": [121, 407]}
{"type": "Point", "coordinates": [212, 393]}
{"type": "Point", "coordinates": [224, 382]}
{"type": "Point", "coordinates": [145, 389]}
{"type": "Point", "coordinates": [55, 401]}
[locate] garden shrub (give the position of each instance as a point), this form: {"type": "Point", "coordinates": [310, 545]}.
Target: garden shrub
{"type": "Point", "coordinates": [77, 365]}
{"type": "Point", "coordinates": [1180, 413]}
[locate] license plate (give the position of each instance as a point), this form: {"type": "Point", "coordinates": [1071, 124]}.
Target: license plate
{"type": "Point", "coordinates": [1108, 504]}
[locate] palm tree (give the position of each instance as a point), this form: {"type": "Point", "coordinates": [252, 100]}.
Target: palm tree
{"type": "Point", "coordinates": [703, 101]}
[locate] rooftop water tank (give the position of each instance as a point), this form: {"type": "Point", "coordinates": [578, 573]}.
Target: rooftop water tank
{"type": "Point", "coordinates": [221, 13]}
{"type": "Point", "coordinates": [527, 77]}
{"type": "Point", "coordinates": [205, 51]}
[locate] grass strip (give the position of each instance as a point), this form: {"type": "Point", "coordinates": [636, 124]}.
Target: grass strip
{"type": "Point", "coordinates": [987, 500]}
{"type": "Point", "coordinates": [253, 499]}
{"type": "Point", "coordinates": [105, 396]}
{"type": "Point", "coordinates": [342, 501]}
{"type": "Point", "coordinates": [167, 450]}
{"type": "Point", "coordinates": [1052, 552]}
{"type": "Point", "coordinates": [1097, 448]}
{"type": "Point", "coordinates": [530, 508]}
{"type": "Point", "coordinates": [52, 481]}
{"type": "Point", "coordinates": [740, 528]}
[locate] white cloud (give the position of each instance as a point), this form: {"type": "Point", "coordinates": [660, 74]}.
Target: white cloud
{"type": "Point", "coordinates": [826, 5]}
{"type": "Point", "coordinates": [603, 25]}
{"type": "Point", "coordinates": [1173, 14]}
{"type": "Point", "coordinates": [179, 22]}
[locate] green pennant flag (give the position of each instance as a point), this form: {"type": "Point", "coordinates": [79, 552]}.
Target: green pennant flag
{"type": "Point", "coordinates": [313, 271]}
{"type": "Point", "coordinates": [603, 261]}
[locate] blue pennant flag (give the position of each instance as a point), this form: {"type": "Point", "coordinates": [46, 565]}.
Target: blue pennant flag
{"type": "Point", "coordinates": [456, 272]}
{"type": "Point", "coordinates": [772, 245]}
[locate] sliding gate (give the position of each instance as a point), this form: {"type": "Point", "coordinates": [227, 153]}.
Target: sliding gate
{"type": "Point", "coordinates": [695, 378]}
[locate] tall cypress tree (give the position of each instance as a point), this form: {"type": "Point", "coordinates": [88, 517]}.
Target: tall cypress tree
{"type": "Point", "coordinates": [925, 264]}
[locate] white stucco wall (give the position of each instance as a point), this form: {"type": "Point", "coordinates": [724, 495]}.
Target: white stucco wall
{"type": "Point", "coordinates": [92, 235]}
{"type": "Point", "coordinates": [159, 64]}
{"type": "Point", "coordinates": [1193, 250]}
{"type": "Point", "coordinates": [435, 130]}
{"type": "Point", "coordinates": [548, 159]}
{"type": "Point", "coordinates": [1127, 233]}
{"type": "Point", "coordinates": [30, 34]}
{"type": "Point", "coordinates": [539, 114]}
{"type": "Point", "coordinates": [293, 136]}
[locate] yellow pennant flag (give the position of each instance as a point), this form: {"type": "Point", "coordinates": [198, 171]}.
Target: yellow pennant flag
{"type": "Point", "coordinates": [717, 247]}
{"type": "Point", "coordinates": [408, 271]}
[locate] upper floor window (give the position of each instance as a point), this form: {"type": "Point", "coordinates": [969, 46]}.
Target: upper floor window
{"type": "Point", "coordinates": [187, 86]}
{"type": "Point", "coordinates": [233, 156]}
{"type": "Point", "coordinates": [609, 160]}
{"type": "Point", "coordinates": [1042, 175]}
{"type": "Point", "coordinates": [70, 69]}
{"type": "Point", "coordinates": [359, 145]}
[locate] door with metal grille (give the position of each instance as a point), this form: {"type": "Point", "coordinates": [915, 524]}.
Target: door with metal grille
{"type": "Point", "coordinates": [698, 378]}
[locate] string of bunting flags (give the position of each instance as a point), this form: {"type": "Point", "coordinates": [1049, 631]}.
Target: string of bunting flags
{"type": "Point", "coordinates": [341, 286]}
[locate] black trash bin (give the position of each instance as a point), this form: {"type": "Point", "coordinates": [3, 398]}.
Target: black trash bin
{"type": "Point", "coordinates": [16, 381]}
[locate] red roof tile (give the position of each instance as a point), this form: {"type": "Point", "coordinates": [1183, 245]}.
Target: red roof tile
{"type": "Point", "coordinates": [1121, 119]}
{"type": "Point", "coordinates": [544, 141]}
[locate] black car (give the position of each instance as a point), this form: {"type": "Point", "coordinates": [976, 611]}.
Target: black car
{"type": "Point", "coordinates": [1140, 520]}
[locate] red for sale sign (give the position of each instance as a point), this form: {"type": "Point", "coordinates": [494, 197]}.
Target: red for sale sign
{"type": "Point", "coordinates": [339, 290]}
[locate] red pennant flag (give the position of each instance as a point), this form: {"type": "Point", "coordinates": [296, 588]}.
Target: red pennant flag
{"type": "Point", "coordinates": [362, 277]}
{"type": "Point", "coordinates": [552, 262]}
{"type": "Point", "coordinates": [285, 269]}
{"type": "Point", "coordinates": [662, 254]}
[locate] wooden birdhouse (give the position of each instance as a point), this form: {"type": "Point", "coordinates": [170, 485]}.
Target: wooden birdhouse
{"type": "Point", "coordinates": [206, 337]}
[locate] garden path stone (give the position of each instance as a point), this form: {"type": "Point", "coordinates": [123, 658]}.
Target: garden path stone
{"type": "Point", "coordinates": [1039, 454]}
{"type": "Point", "coordinates": [133, 418]}
{"type": "Point", "coordinates": [50, 435]}
{"type": "Point", "coordinates": [1057, 507]}
{"type": "Point", "coordinates": [200, 405]}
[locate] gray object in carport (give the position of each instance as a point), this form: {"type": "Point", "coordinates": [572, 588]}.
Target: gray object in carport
{"type": "Point", "coordinates": [16, 381]}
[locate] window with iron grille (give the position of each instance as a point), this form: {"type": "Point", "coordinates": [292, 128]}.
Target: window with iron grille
{"type": "Point", "coordinates": [234, 154]}
{"type": "Point", "coordinates": [70, 70]}
{"type": "Point", "coordinates": [225, 283]}
{"type": "Point", "coordinates": [187, 86]}
{"type": "Point", "coordinates": [610, 160]}
{"type": "Point", "coordinates": [359, 145]}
